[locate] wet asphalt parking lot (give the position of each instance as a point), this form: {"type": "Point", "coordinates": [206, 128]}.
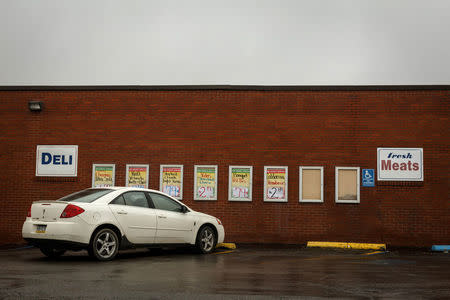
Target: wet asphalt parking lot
{"type": "Point", "coordinates": [250, 272]}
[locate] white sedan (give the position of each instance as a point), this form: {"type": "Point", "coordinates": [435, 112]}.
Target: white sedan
{"type": "Point", "coordinates": [104, 220]}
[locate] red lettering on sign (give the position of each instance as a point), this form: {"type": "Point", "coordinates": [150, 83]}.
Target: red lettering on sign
{"type": "Point", "coordinates": [385, 164]}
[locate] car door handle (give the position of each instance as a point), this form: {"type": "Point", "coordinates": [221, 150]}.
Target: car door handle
{"type": "Point", "coordinates": [162, 217]}
{"type": "Point", "coordinates": [121, 212]}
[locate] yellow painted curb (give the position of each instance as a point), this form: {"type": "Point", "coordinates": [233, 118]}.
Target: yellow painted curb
{"type": "Point", "coordinates": [347, 245]}
{"type": "Point", "coordinates": [374, 252]}
{"type": "Point", "coordinates": [224, 252]}
{"type": "Point", "coordinates": [226, 245]}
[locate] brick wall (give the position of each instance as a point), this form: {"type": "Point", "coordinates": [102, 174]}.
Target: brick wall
{"type": "Point", "coordinates": [258, 128]}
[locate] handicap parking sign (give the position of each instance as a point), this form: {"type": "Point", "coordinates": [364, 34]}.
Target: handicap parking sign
{"type": "Point", "coordinates": [368, 177]}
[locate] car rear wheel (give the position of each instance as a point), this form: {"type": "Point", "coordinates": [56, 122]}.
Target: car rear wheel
{"type": "Point", "coordinates": [105, 245]}
{"type": "Point", "coordinates": [52, 253]}
{"type": "Point", "coordinates": [206, 240]}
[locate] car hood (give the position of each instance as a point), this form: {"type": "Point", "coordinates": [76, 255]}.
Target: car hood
{"type": "Point", "coordinates": [202, 215]}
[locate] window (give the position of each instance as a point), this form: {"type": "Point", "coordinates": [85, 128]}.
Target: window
{"type": "Point", "coordinates": [311, 184]}
{"type": "Point", "coordinates": [137, 176]}
{"type": "Point", "coordinates": [240, 183]}
{"type": "Point", "coordinates": [103, 175]}
{"type": "Point", "coordinates": [171, 180]}
{"type": "Point", "coordinates": [205, 182]}
{"type": "Point", "coordinates": [119, 201]}
{"type": "Point", "coordinates": [276, 184]}
{"type": "Point", "coordinates": [165, 203]}
{"type": "Point", "coordinates": [347, 184]}
{"type": "Point", "coordinates": [86, 196]}
{"type": "Point", "coordinates": [135, 199]}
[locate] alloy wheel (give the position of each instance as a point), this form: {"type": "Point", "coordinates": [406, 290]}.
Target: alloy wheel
{"type": "Point", "coordinates": [207, 240]}
{"type": "Point", "coordinates": [105, 244]}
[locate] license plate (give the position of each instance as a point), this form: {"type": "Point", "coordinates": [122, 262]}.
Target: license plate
{"type": "Point", "coordinates": [41, 228]}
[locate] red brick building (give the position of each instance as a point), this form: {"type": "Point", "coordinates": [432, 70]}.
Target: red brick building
{"type": "Point", "coordinates": [254, 126]}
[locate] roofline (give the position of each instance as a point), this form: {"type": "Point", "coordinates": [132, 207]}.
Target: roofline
{"type": "Point", "coordinates": [223, 87]}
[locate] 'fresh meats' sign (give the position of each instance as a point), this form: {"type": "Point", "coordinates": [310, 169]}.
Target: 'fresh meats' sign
{"type": "Point", "coordinates": [400, 164]}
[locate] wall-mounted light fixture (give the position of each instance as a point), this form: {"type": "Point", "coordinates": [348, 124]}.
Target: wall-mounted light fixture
{"type": "Point", "coordinates": [35, 106]}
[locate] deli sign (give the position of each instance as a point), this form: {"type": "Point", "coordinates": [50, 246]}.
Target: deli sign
{"type": "Point", "coordinates": [400, 164]}
{"type": "Point", "coordinates": [57, 160]}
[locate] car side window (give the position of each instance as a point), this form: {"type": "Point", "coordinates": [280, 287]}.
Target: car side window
{"type": "Point", "coordinates": [135, 199]}
{"type": "Point", "coordinates": [165, 203]}
{"type": "Point", "coordinates": [118, 200]}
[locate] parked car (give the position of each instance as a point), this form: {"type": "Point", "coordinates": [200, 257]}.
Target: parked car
{"type": "Point", "coordinates": [104, 220]}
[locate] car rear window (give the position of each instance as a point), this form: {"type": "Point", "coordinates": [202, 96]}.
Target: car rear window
{"type": "Point", "coordinates": [86, 196]}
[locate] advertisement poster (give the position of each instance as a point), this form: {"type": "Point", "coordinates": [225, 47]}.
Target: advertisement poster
{"type": "Point", "coordinates": [400, 164]}
{"type": "Point", "coordinates": [56, 160]}
{"type": "Point", "coordinates": [103, 175]}
{"type": "Point", "coordinates": [240, 183]}
{"type": "Point", "coordinates": [171, 180]}
{"type": "Point", "coordinates": [275, 184]}
{"type": "Point", "coordinates": [137, 176]}
{"type": "Point", "coordinates": [205, 183]}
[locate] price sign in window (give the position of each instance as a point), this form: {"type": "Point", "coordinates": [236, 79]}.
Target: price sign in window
{"type": "Point", "coordinates": [137, 176]}
{"type": "Point", "coordinates": [171, 180]}
{"type": "Point", "coordinates": [240, 183]}
{"type": "Point", "coordinates": [103, 175]}
{"type": "Point", "coordinates": [205, 182]}
{"type": "Point", "coordinates": [275, 184]}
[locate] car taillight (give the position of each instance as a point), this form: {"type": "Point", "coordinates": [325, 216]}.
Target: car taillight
{"type": "Point", "coordinates": [71, 211]}
{"type": "Point", "coordinates": [218, 221]}
{"type": "Point", "coordinates": [29, 213]}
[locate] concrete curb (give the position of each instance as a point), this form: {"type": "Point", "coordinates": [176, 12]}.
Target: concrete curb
{"type": "Point", "coordinates": [231, 246]}
{"type": "Point", "coordinates": [345, 245]}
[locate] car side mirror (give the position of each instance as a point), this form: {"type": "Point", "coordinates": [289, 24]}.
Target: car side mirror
{"type": "Point", "coordinates": [184, 209]}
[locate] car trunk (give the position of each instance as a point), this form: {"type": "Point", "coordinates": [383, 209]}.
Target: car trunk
{"type": "Point", "coordinates": [47, 211]}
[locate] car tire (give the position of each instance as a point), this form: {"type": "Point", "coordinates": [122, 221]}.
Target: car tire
{"type": "Point", "coordinates": [206, 240]}
{"type": "Point", "coordinates": [104, 245]}
{"type": "Point", "coordinates": [52, 253]}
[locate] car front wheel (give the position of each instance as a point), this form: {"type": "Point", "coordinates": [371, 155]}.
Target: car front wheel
{"type": "Point", "coordinates": [105, 245]}
{"type": "Point", "coordinates": [206, 240]}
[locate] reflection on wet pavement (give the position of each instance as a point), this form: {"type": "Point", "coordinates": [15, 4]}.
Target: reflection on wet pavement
{"type": "Point", "coordinates": [243, 272]}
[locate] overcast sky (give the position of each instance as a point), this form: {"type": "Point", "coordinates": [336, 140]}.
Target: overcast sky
{"type": "Point", "coordinates": [239, 42]}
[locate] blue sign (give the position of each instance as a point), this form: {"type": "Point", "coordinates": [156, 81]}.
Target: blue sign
{"type": "Point", "coordinates": [368, 177]}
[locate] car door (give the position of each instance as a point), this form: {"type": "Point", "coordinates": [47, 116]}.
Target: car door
{"type": "Point", "coordinates": [173, 226]}
{"type": "Point", "coordinates": [136, 217]}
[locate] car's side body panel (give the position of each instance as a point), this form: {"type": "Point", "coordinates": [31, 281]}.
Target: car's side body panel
{"type": "Point", "coordinates": [174, 227]}
{"type": "Point", "coordinates": [138, 223]}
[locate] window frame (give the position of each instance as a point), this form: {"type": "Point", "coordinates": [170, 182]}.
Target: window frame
{"type": "Point", "coordinates": [230, 192]}
{"type": "Point", "coordinates": [286, 184]}
{"type": "Point", "coordinates": [215, 186]}
{"type": "Point", "coordinates": [104, 165]}
{"type": "Point", "coordinates": [358, 185]}
{"type": "Point", "coordinates": [182, 181]}
{"type": "Point", "coordinates": [127, 169]}
{"type": "Point", "coordinates": [300, 181]}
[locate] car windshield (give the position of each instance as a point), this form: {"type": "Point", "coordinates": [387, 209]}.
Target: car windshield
{"type": "Point", "coordinates": [86, 196]}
